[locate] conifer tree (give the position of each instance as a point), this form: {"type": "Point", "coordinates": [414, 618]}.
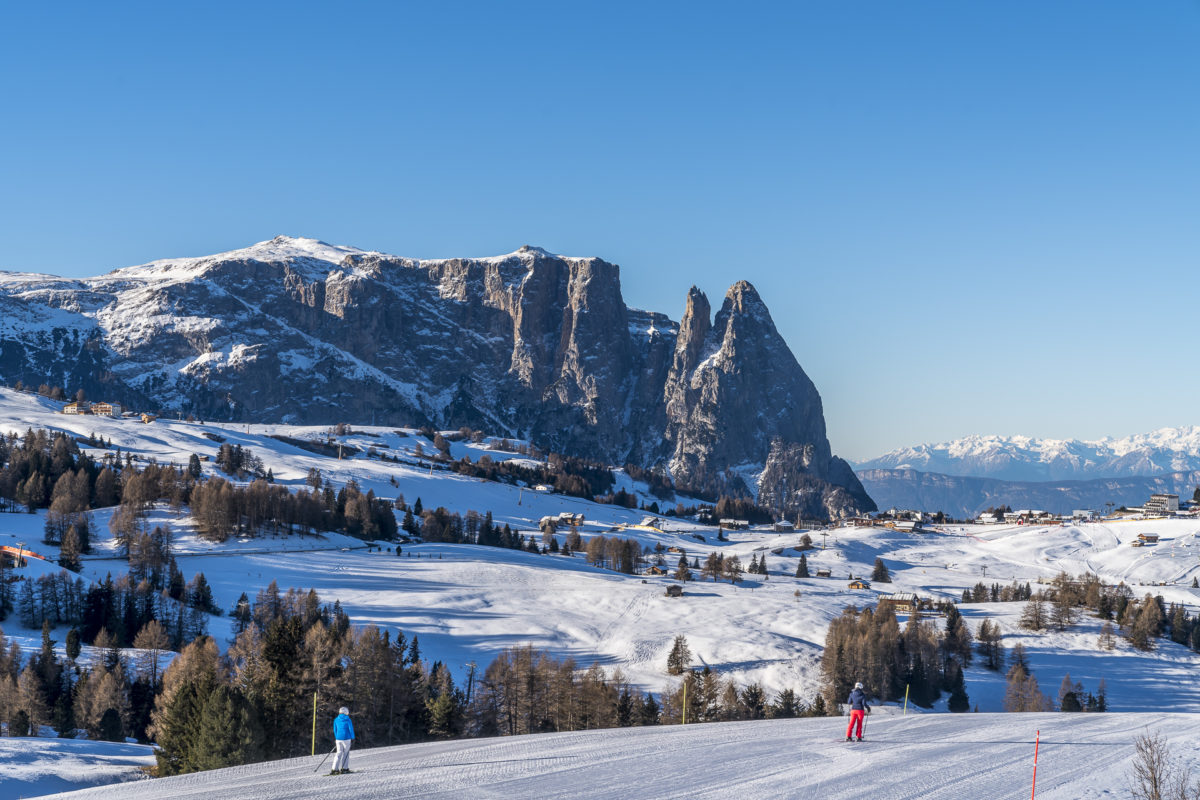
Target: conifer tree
{"type": "Point", "coordinates": [68, 557]}
{"type": "Point", "coordinates": [880, 574]}
{"type": "Point", "coordinates": [802, 567]}
{"type": "Point", "coordinates": [649, 712]}
{"type": "Point", "coordinates": [229, 733]}
{"type": "Point", "coordinates": [680, 656]}
{"type": "Point", "coordinates": [785, 705]}
{"type": "Point", "coordinates": [1033, 617]}
{"type": "Point", "coordinates": [110, 728]}
{"type": "Point", "coordinates": [682, 573]}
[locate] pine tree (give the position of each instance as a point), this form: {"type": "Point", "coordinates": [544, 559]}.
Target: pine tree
{"type": "Point", "coordinates": [682, 573]}
{"type": "Point", "coordinates": [649, 712]}
{"type": "Point", "coordinates": [111, 729]}
{"type": "Point", "coordinates": [68, 557]}
{"type": "Point", "coordinates": [680, 656]}
{"type": "Point", "coordinates": [959, 701]}
{"type": "Point", "coordinates": [1033, 617]}
{"type": "Point", "coordinates": [785, 706]}
{"type": "Point", "coordinates": [74, 645]}
{"type": "Point", "coordinates": [229, 732]}
{"type": "Point", "coordinates": [880, 574]}
{"type": "Point", "coordinates": [802, 567]}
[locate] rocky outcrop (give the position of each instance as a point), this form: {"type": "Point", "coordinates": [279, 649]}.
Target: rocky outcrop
{"type": "Point", "coordinates": [741, 410]}
{"type": "Point", "coordinates": [530, 344]}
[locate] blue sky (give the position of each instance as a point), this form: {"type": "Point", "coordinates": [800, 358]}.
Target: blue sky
{"type": "Point", "coordinates": [965, 217]}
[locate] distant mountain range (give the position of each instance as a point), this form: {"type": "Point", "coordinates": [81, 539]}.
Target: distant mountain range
{"type": "Point", "coordinates": [527, 344]}
{"type": "Point", "coordinates": [1024, 458]}
{"type": "Point", "coordinates": [968, 475]}
{"type": "Point", "coordinates": [965, 497]}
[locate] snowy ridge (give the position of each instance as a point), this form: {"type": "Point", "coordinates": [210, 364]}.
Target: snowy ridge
{"type": "Point", "coordinates": [279, 249]}
{"type": "Point", "coordinates": [1025, 458]}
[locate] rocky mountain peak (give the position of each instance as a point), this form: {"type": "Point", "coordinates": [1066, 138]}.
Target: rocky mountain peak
{"type": "Point", "coordinates": [529, 344]}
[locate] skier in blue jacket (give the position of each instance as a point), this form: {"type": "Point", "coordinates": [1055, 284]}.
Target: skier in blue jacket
{"type": "Point", "coordinates": [343, 735]}
{"type": "Point", "coordinates": [858, 709]}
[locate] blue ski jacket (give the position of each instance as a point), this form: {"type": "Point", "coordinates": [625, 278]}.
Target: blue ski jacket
{"type": "Point", "coordinates": [343, 728]}
{"type": "Point", "coordinates": [858, 700]}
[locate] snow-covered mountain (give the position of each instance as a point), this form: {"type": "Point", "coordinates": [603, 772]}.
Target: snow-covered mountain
{"type": "Point", "coordinates": [1025, 458]}
{"type": "Point", "coordinates": [964, 497]}
{"type": "Point", "coordinates": [528, 344]}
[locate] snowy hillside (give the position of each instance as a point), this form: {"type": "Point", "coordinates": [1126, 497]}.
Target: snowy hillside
{"type": "Point", "coordinates": [1024, 458]}
{"type": "Point", "coordinates": [32, 767]}
{"type": "Point", "coordinates": [918, 757]}
{"type": "Point", "coordinates": [468, 602]}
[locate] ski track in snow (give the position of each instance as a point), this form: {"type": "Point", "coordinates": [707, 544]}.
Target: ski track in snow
{"type": "Point", "coordinates": [918, 757]}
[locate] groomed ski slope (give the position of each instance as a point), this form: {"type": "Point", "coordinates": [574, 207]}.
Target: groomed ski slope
{"type": "Point", "coordinates": [32, 767]}
{"type": "Point", "coordinates": [928, 757]}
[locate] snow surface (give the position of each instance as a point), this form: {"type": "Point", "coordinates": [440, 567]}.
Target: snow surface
{"type": "Point", "coordinates": [931, 757]}
{"type": "Point", "coordinates": [466, 603]}
{"type": "Point", "coordinates": [31, 767]}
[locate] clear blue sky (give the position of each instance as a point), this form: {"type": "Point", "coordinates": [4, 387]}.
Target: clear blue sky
{"type": "Point", "coordinates": [966, 217]}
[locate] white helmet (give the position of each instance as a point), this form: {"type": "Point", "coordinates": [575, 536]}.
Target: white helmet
{"type": "Point", "coordinates": [346, 711]}
{"type": "Point", "coordinates": [856, 686]}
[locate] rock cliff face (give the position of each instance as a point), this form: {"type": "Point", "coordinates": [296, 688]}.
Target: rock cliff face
{"type": "Point", "coordinates": [529, 344]}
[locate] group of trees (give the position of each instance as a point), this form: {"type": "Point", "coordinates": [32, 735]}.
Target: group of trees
{"type": "Point", "coordinates": [869, 646]}
{"type": "Point", "coordinates": [1059, 605]}
{"type": "Point", "coordinates": [569, 475]}
{"type": "Point", "coordinates": [718, 566]}
{"type": "Point", "coordinates": [45, 471]}
{"type": "Point", "coordinates": [119, 609]}
{"type": "Point", "coordinates": [109, 699]}
{"type": "Point", "coordinates": [209, 710]}
{"type": "Point", "coordinates": [1022, 692]}
{"type": "Point", "coordinates": [982, 593]}
{"type": "Point", "coordinates": [704, 696]}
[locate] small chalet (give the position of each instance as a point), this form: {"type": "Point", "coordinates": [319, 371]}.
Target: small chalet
{"type": "Point", "coordinates": [824, 573]}
{"type": "Point", "coordinates": [656, 570]}
{"type": "Point", "coordinates": [674, 549]}
{"type": "Point", "coordinates": [1148, 538]}
{"type": "Point", "coordinates": [783, 526]}
{"type": "Point", "coordinates": [735, 524]}
{"type": "Point", "coordinates": [80, 407]}
{"type": "Point", "coordinates": [859, 583]}
{"type": "Point", "coordinates": [900, 601]}
{"type": "Point", "coordinates": [674, 590]}
{"type": "Point", "coordinates": [148, 418]}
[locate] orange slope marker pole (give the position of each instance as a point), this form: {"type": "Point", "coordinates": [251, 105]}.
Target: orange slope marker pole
{"type": "Point", "coordinates": [1036, 743]}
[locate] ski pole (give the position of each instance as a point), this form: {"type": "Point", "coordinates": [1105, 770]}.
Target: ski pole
{"type": "Point", "coordinates": [327, 755]}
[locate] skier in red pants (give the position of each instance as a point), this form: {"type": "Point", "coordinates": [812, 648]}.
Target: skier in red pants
{"type": "Point", "coordinates": [858, 709]}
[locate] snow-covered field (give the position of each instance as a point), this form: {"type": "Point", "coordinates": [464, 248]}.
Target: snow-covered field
{"type": "Point", "coordinates": [33, 767]}
{"type": "Point", "coordinates": [928, 757]}
{"type": "Point", "coordinates": [466, 603]}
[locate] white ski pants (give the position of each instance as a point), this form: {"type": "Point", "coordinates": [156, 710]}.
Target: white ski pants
{"type": "Point", "coordinates": [342, 759]}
